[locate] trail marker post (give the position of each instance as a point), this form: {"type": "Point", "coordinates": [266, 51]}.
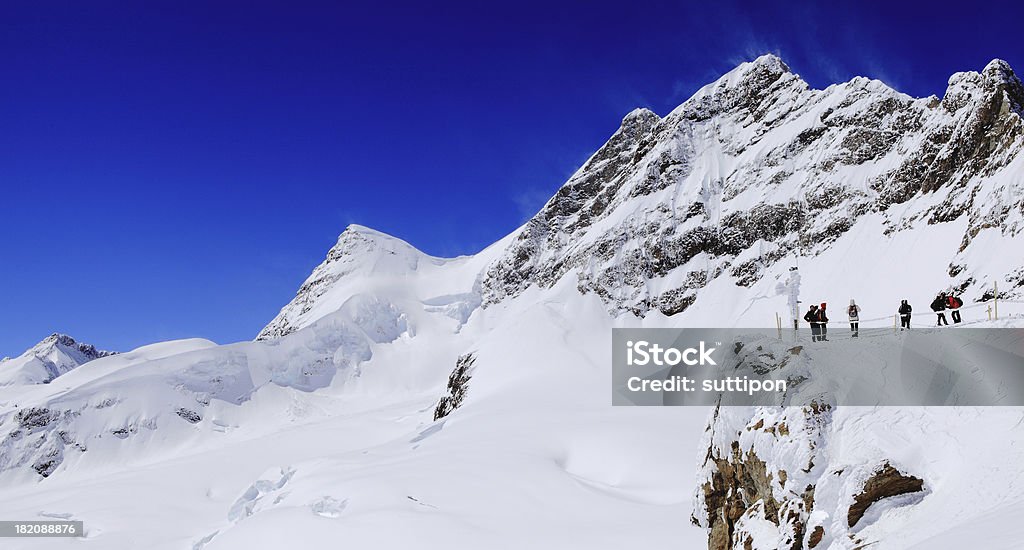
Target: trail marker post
{"type": "Point", "coordinates": [995, 299]}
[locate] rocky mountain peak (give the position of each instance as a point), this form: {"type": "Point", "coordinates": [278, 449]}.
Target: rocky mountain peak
{"type": "Point", "coordinates": [999, 75]}
{"type": "Point", "coordinates": [639, 120]}
{"type": "Point", "coordinates": [762, 71]}
{"type": "Point", "coordinates": [769, 62]}
{"type": "Point", "coordinates": [753, 87]}
{"type": "Point", "coordinates": [996, 88]}
{"type": "Point", "coordinates": [757, 167]}
{"type": "Point", "coordinates": [54, 356]}
{"type": "Point", "coordinates": [1000, 72]}
{"type": "Point", "coordinates": [88, 352]}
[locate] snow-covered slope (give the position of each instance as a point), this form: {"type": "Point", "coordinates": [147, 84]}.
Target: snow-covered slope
{"type": "Point", "coordinates": [55, 355]}
{"type": "Point", "coordinates": [401, 400]}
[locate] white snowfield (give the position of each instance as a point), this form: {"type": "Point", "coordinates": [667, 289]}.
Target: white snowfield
{"type": "Point", "coordinates": [321, 433]}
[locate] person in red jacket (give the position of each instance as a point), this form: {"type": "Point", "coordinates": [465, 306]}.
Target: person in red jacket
{"type": "Point", "coordinates": [822, 323]}
{"type": "Point", "coordinates": [954, 303]}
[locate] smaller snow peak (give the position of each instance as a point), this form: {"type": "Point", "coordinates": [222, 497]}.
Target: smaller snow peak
{"type": "Point", "coordinates": [88, 351]}
{"type": "Point", "coordinates": [54, 356]}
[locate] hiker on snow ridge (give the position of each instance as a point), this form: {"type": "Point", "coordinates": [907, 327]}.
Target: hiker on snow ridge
{"type": "Point", "coordinates": [954, 304]}
{"type": "Point", "coordinates": [854, 313]}
{"type": "Point", "coordinates": [822, 326]}
{"type": "Point", "coordinates": [939, 307]}
{"type": "Point", "coordinates": [905, 311]}
{"type": "Point", "coordinates": [812, 317]}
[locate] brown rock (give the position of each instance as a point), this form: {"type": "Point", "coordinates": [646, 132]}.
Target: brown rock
{"type": "Point", "coordinates": [816, 536]}
{"type": "Point", "coordinates": [886, 482]}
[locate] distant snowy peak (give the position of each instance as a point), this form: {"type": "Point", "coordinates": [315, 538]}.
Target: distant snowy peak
{"type": "Point", "coordinates": [360, 257]}
{"type": "Point", "coordinates": [56, 355]}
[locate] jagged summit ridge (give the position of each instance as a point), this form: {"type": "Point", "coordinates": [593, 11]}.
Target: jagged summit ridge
{"type": "Point", "coordinates": [758, 158]}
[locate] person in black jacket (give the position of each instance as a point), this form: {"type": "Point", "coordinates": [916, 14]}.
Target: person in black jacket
{"type": "Point", "coordinates": [939, 307]}
{"type": "Point", "coordinates": [812, 317]}
{"type": "Point", "coordinates": [905, 311]}
{"type": "Point", "coordinates": [822, 322]}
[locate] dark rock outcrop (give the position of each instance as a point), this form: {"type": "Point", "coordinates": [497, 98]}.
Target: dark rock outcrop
{"type": "Point", "coordinates": [886, 482]}
{"type": "Point", "coordinates": [458, 385]}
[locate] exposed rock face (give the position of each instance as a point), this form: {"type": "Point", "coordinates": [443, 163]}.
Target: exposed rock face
{"type": "Point", "coordinates": [770, 482]}
{"type": "Point", "coordinates": [458, 385]}
{"type": "Point", "coordinates": [757, 167]}
{"type": "Point", "coordinates": [815, 538]}
{"type": "Point", "coordinates": [744, 494]}
{"type": "Point", "coordinates": [886, 482]}
{"type": "Point", "coordinates": [39, 428]}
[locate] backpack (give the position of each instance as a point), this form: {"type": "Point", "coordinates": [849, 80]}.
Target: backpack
{"type": "Point", "coordinates": [956, 302]}
{"type": "Point", "coordinates": [853, 311]}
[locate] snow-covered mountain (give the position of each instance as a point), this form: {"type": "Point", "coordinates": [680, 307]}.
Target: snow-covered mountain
{"type": "Point", "coordinates": [55, 355]}
{"type": "Point", "coordinates": [402, 400]}
{"type": "Point", "coordinates": [757, 169]}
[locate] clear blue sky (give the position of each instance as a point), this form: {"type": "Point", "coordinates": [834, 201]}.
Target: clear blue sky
{"type": "Point", "coordinates": [176, 169]}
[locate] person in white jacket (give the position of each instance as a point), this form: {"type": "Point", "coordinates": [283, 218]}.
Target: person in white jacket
{"type": "Point", "coordinates": [854, 313]}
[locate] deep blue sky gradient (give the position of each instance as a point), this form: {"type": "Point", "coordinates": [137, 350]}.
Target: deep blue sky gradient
{"type": "Point", "coordinates": [175, 169]}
